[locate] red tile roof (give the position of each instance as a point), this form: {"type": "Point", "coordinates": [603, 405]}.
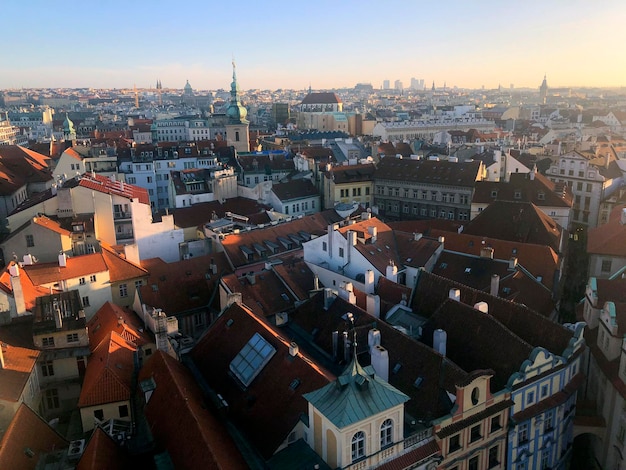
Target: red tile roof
{"type": "Point", "coordinates": [540, 260]}
{"type": "Point", "coordinates": [121, 269]}
{"type": "Point", "coordinates": [109, 372]}
{"type": "Point", "coordinates": [181, 422]}
{"type": "Point", "coordinates": [50, 224]}
{"type": "Point", "coordinates": [19, 166]}
{"type": "Point", "coordinates": [108, 186]}
{"type": "Point", "coordinates": [20, 357]}
{"type": "Point", "coordinates": [111, 317]}
{"type": "Point", "coordinates": [48, 273]}
{"type": "Point", "coordinates": [102, 452]}
{"type": "Point", "coordinates": [269, 408]}
{"type": "Point", "coordinates": [265, 296]}
{"type": "Point", "coordinates": [183, 285]}
{"type": "Point", "coordinates": [609, 238]}
{"type": "Point", "coordinates": [516, 221]}
{"type": "Point", "coordinates": [28, 431]}
{"type": "Point", "coordinates": [30, 291]}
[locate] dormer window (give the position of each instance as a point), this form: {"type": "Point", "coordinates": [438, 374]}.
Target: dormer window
{"type": "Point", "coordinates": [517, 194]}
{"type": "Point", "coordinates": [494, 193]}
{"type": "Point", "coordinates": [541, 196]}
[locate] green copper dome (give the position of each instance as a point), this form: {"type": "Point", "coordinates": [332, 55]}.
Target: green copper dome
{"type": "Point", "coordinates": [235, 112]}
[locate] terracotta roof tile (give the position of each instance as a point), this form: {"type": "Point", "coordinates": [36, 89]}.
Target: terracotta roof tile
{"type": "Point", "coordinates": [516, 221]}
{"type": "Point", "coordinates": [608, 239]}
{"type": "Point", "coordinates": [111, 317]}
{"type": "Point", "coordinates": [106, 185]}
{"type": "Point", "coordinates": [183, 285]}
{"type": "Point", "coordinates": [119, 268]}
{"type": "Point", "coordinates": [20, 357]}
{"type": "Point", "coordinates": [103, 452]}
{"type": "Point", "coordinates": [27, 431]}
{"type": "Point", "coordinates": [109, 372]}
{"type": "Point", "coordinates": [50, 224]}
{"type": "Point", "coordinates": [181, 422]}
{"type": "Point", "coordinates": [271, 405]}
{"type": "Point", "coordinates": [30, 291]}
{"type": "Point", "coordinates": [48, 273]}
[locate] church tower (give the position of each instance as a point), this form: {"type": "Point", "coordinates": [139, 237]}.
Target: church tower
{"type": "Point", "coordinates": [543, 91]}
{"type": "Point", "coordinates": [237, 127]}
{"type": "Point", "coordinates": [69, 132]}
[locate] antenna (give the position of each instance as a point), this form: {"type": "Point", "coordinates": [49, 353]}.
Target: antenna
{"type": "Point", "coordinates": [351, 319]}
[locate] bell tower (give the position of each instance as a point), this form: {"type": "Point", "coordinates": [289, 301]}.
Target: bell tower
{"type": "Point", "coordinates": [237, 127]}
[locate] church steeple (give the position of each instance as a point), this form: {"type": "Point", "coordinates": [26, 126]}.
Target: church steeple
{"type": "Point", "coordinates": [543, 91]}
{"type": "Point", "coordinates": [237, 127]}
{"type": "Point", "coordinates": [236, 113]}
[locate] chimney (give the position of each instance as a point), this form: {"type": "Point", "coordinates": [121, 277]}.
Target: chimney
{"type": "Point", "coordinates": [331, 229]}
{"type": "Point", "coordinates": [441, 239]}
{"type": "Point", "coordinates": [495, 285]}
{"type": "Point", "coordinates": [486, 252]}
{"type": "Point", "coordinates": [1, 355]}
{"type": "Point", "coordinates": [455, 294]}
{"type": "Point", "coordinates": [369, 281]}
{"type": "Point", "coordinates": [120, 321]}
{"type": "Point", "coordinates": [351, 236]}
{"type": "Point", "coordinates": [234, 298]}
{"type": "Point", "coordinates": [440, 340]}
{"type": "Point", "coordinates": [346, 347]}
{"type": "Point", "coordinates": [623, 218]}
{"type": "Point", "coordinates": [62, 260]}
{"type": "Point", "coordinates": [531, 175]}
{"type": "Point", "coordinates": [293, 349]}
{"type": "Point", "coordinates": [392, 271]}
{"type": "Point", "coordinates": [329, 297]}
{"type": "Point", "coordinates": [482, 307]}
{"type": "Point", "coordinates": [373, 338]}
{"type": "Point", "coordinates": [366, 215]}
{"type": "Point", "coordinates": [373, 305]}
{"type": "Point", "coordinates": [335, 336]}
{"type": "Point", "coordinates": [380, 362]}
{"type": "Point", "coordinates": [417, 236]}
{"type": "Point", "coordinates": [16, 287]}
{"type": "Point", "coordinates": [58, 320]}
{"type": "Point", "coordinates": [316, 282]}
{"type": "Point", "coordinates": [373, 231]}
{"type": "Point", "coordinates": [346, 292]}
{"type": "Point", "coordinates": [513, 263]}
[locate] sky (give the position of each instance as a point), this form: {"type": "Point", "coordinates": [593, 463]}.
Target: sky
{"type": "Point", "coordinates": [323, 44]}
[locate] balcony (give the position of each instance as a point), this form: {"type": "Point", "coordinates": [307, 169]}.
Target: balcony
{"type": "Point", "coordinates": [124, 236]}
{"type": "Point", "coordinates": [122, 215]}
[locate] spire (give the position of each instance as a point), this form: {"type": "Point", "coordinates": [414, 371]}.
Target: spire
{"type": "Point", "coordinates": [236, 112]}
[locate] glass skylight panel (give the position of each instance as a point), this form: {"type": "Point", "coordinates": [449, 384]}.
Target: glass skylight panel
{"type": "Point", "coordinates": [251, 359]}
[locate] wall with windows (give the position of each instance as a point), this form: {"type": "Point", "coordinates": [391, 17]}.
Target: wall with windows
{"type": "Point", "coordinates": [117, 410]}
{"type": "Point", "coordinates": [33, 239]}
{"type": "Point", "coordinates": [362, 445]}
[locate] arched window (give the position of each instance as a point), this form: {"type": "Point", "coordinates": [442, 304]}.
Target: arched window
{"type": "Point", "coordinates": [386, 433]}
{"type": "Point", "coordinates": [358, 446]}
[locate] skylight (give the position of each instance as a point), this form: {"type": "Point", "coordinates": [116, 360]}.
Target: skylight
{"type": "Point", "coordinates": [251, 359]}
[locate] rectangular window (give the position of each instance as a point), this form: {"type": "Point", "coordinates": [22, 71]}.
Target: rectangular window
{"type": "Point", "coordinates": [123, 290]}
{"type": "Point", "coordinates": [473, 463]}
{"type": "Point", "coordinates": [530, 398]}
{"type": "Point", "coordinates": [52, 399]}
{"type": "Point", "coordinates": [123, 411]}
{"type": "Point", "coordinates": [81, 281]}
{"type": "Point", "coordinates": [493, 456]}
{"type": "Point", "coordinates": [324, 246]}
{"type": "Point", "coordinates": [495, 424]}
{"type": "Point", "coordinates": [475, 433]}
{"type": "Point", "coordinates": [48, 342]}
{"type": "Point", "coordinates": [341, 252]}
{"type": "Point", "coordinates": [367, 190]}
{"type": "Point", "coordinates": [606, 265]}
{"type": "Point", "coordinates": [455, 442]}
{"type": "Point", "coordinates": [47, 369]}
{"type": "Point", "coordinates": [85, 301]}
{"type": "Point", "coordinates": [251, 359]}
{"type": "Point", "coordinates": [72, 338]}
{"type": "Point", "coordinates": [98, 414]}
{"type": "Point", "coordinates": [522, 433]}
{"type": "Point", "coordinates": [544, 391]}
{"type": "Point", "coordinates": [548, 421]}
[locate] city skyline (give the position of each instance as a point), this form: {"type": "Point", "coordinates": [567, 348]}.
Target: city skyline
{"type": "Point", "coordinates": [333, 45]}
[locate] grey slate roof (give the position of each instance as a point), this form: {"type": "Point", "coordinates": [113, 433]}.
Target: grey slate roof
{"type": "Point", "coordinates": [356, 395]}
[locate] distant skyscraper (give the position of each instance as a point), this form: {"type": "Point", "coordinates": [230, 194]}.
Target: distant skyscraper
{"type": "Point", "coordinates": [543, 91]}
{"type": "Point", "coordinates": [386, 84]}
{"type": "Point", "coordinates": [398, 85]}
{"type": "Point", "coordinates": [421, 83]}
{"type": "Point", "coordinates": [415, 83]}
